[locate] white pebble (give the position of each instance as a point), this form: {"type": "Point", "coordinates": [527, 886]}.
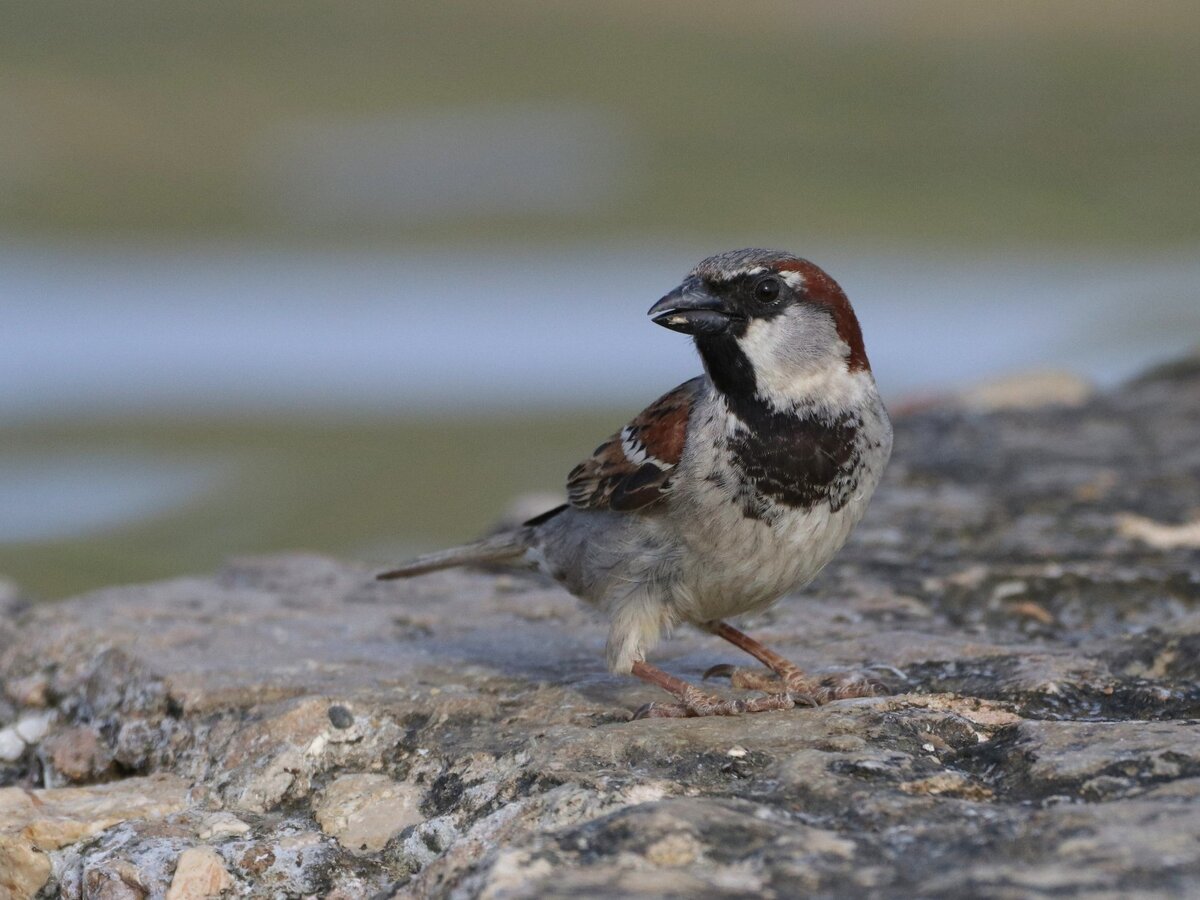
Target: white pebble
{"type": "Point", "coordinates": [221, 825]}
{"type": "Point", "coordinates": [33, 728]}
{"type": "Point", "coordinates": [928, 748]}
{"type": "Point", "coordinates": [737, 751]}
{"type": "Point", "coordinates": [11, 745]}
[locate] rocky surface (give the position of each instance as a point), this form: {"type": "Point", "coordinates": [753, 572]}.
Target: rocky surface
{"type": "Point", "coordinates": [291, 728]}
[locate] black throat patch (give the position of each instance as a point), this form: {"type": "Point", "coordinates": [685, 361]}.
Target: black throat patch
{"type": "Point", "coordinates": [727, 366]}
{"type": "Point", "coordinates": [796, 458]}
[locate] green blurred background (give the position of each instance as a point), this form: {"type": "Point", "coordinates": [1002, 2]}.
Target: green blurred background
{"type": "Point", "coordinates": [939, 137]}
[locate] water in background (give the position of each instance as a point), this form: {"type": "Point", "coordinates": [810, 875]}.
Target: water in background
{"type": "Point", "coordinates": [364, 402]}
{"type": "Point", "coordinates": [102, 331]}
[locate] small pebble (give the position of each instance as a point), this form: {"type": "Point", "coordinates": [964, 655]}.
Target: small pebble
{"type": "Point", "coordinates": [33, 728]}
{"type": "Point", "coordinates": [737, 752]}
{"type": "Point", "coordinates": [928, 748]}
{"type": "Point", "coordinates": [29, 691]}
{"type": "Point", "coordinates": [222, 825]}
{"type": "Point", "coordinates": [11, 745]}
{"type": "Point", "coordinates": [340, 717]}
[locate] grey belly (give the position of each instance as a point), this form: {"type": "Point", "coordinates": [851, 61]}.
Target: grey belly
{"type": "Point", "coordinates": [704, 567]}
{"type": "Point", "coordinates": [756, 563]}
{"type": "Point", "coordinates": [602, 556]}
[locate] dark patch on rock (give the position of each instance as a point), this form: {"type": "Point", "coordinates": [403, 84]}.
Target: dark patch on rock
{"type": "Point", "coordinates": [444, 794]}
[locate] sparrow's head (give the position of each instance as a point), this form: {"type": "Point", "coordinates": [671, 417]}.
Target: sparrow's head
{"type": "Point", "coordinates": [764, 319]}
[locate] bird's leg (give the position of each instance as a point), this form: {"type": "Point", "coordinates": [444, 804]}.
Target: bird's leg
{"type": "Point", "coordinates": [694, 702]}
{"type": "Point", "coordinates": [789, 678]}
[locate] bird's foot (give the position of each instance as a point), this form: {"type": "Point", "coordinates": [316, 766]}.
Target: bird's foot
{"type": "Point", "coordinates": [696, 703]}
{"type": "Point", "coordinates": [693, 702]}
{"type": "Point", "coordinates": [805, 690]}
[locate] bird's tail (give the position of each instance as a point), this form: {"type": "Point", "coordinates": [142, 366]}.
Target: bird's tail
{"type": "Point", "coordinates": [506, 547]}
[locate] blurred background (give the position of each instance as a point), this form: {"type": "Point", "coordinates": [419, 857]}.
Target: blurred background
{"type": "Point", "coordinates": [350, 276]}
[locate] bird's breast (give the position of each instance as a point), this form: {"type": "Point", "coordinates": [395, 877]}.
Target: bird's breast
{"type": "Point", "coordinates": [762, 511]}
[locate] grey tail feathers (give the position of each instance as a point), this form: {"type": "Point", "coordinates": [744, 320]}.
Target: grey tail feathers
{"type": "Point", "coordinates": [506, 547]}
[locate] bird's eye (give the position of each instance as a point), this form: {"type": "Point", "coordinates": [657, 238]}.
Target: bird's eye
{"type": "Point", "coordinates": [767, 289]}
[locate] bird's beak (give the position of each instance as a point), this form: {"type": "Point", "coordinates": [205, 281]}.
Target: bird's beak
{"type": "Point", "coordinates": [692, 309]}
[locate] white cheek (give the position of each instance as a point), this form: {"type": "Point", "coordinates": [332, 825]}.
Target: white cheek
{"type": "Point", "coordinates": [798, 357]}
{"type": "Point", "coordinates": [782, 346]}
{"type": "Point", "coordinates": [759, 343]}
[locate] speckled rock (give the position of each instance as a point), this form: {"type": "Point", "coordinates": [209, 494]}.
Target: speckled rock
{"type": "Point", "coordinates": [200, 874]}
{"type": "Point", "coordinates": [1027, 581]}
{"type": "Point", "coordinates": [35, 823]}
{"type": "Point", "coordinates": [363, 811]}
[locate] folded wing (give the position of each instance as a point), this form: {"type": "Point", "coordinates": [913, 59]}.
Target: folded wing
{"type": "Point", "coordinates": [632, 469]}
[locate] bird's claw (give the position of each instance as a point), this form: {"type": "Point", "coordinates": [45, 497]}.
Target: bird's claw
{"type": "Point", "coordinates": [803, 690]}
{"type": "Point", "coordinates": [712, 706]}
{"type": "Point", "coordinates": [846, 685]}
{"type": "Point", "coordinates": [666, 711]}
{"type": "Point", "coordinates": [891, 670]}
{"type": "Point", "coordinates": [722, 670]}
{"type": "Point", "coordinates": [650, 711]}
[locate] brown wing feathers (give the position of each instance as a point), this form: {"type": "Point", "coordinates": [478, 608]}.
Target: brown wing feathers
{"type": "Point", "coordinates": [632, 469]}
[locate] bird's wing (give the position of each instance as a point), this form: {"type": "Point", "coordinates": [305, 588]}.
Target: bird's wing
{"type": "Point", "coordinates": [632, 469]}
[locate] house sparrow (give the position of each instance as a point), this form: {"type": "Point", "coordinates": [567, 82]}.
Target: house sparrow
{"type": "Point", "coordinates": [725, 493]}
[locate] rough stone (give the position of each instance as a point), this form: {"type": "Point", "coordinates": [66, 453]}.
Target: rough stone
{"type": "Point", "coordinates": [115, 880]}
{"type": "Point", "coordinates": [1027, 390]}
{"type": "Point", "coordinates": [29, 691]}
{"type": "Point", "coordinates": [222, 824]}
{"type": "Point", "coordinates": [32, 728]}
{"type": "Point", "coordinates": [35, 823]}
{"type": "Point", "coordinates": [199, 874]}
{"type": "Point", "coordinates": [75, 755]}
{"type": "Point", "coordinates": [1158, 534]}
{"type": "Point", "coordinates": [308, 731]}
{"type": "Point", "coordinates": [11, 745]}
{"type": "Point", "coordinates": [364, 811]}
